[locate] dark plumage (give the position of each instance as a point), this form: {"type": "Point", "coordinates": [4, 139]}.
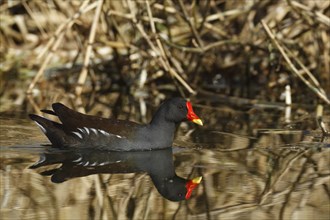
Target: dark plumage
{"type": "Point", "coordinates": [83, 162]}
{"type": "Point", "coordinates": [80, 130]}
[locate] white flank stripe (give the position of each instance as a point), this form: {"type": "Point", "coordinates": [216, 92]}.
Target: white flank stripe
{"type": "Point", "coordinates": [87, 130]}
{"type": "Point", "coordinates": [93, 164]}
{"type": "Point", "coordinates": [77, 160]}
{"type": "Point", "coordinates": [78, 134]}
{"type": "Point", "coordinates": [94, 130]}
{"type": "Point", "coordinates": [104, 132]}
{"type": "Point", "coordinates": [41, 127]}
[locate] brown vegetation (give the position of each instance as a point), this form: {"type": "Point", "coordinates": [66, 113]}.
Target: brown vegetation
{"type": "Point", "coordinates": [117, 57]}
{"type": "Point", "coordinates": [95, 53]}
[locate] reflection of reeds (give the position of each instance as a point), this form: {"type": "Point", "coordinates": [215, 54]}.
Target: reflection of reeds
{"type": "Point", "coordinates": [271, 183]}
{"type": "Point", "coordinates": [152, 48]}
{"type": "Point", "coordinates": [87, 52]}
{"type": "Point", "coordinates": [248, 172]}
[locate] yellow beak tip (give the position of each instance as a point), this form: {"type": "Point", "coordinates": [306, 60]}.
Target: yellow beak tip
{"type": "Point", "coordinates": [198, 121]}
{"type": "Point", "coordinates": [197, 180]}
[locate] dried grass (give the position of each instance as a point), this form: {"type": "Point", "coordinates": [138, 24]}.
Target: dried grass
{"type": "Point", "coordinates": [82, 51]}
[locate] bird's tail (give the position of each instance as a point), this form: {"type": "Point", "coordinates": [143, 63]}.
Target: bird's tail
{"type": "Point", "coordinates": [54, 132]}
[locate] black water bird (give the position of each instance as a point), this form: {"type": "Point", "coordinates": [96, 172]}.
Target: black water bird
{"type": "Point", "coordinates": [86, 131]}
{"type": "Point", "coordinates": [158, 164]}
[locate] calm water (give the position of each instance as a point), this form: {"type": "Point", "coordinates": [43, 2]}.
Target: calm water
{"type": "Point", "coordinates": [255, 164]}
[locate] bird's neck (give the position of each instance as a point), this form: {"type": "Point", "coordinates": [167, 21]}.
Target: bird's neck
{"type": "Point", "coordinates": [163, 131]}
{"type": "Point", "coordinates": [160, 180]}
{"type": "Point", "coordinates": [159, 121]}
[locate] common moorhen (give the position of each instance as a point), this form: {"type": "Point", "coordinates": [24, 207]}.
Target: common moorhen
{"type": "Point", "coordinates": [84, 131]}
{"type": "Point", "coordinates": [87, 161]}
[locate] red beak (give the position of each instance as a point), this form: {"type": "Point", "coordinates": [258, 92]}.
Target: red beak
{"type": "Point", "coordinates": [191, 116]}
{"type": "Point", "coordinates": [191, 184]}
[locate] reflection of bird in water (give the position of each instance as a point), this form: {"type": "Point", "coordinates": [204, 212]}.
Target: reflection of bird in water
{"type": "Point", "coordinates": [157, 163]}
{"type": "Point", "coordinates": [98, 145]}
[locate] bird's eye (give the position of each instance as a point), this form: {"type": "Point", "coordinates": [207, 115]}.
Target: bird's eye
{"type": "Point", "coordinates": [180, 107]}
{"type": "Point", "coordinates": [180, 194]}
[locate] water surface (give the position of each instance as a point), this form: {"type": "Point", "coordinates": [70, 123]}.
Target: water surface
{"type": "Point", "coordinates": [255, 164]}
